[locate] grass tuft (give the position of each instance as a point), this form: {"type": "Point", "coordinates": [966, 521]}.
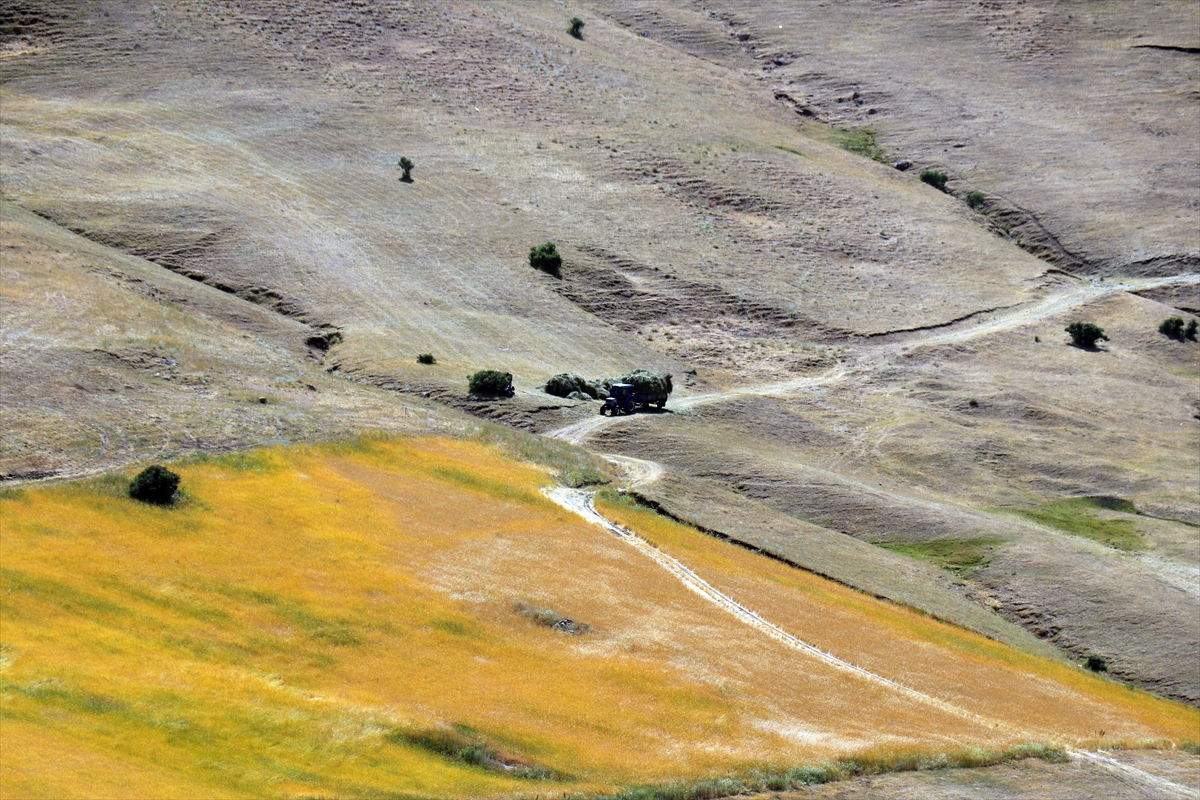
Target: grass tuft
{"type": "Point", "coordinates": [960, 556]}
{"type": "Point", "coordinates": [1075, 516]}
{"type": "Point", "coordinates": [860, 141]}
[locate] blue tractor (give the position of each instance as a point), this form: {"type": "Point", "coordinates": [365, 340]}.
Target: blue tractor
{"type": "Point", "coordinates": [623, 398]}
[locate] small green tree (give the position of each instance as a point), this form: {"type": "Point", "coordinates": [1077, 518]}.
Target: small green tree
{"type": "Point", "coordinates": [1085, 334]}
{"type": "Point", "coordinates": [935, 179]}
{"type": "Point", "coordinates": [1190, 331]}
{"type": "Point", "coordinates": [155, 485]}
{"type": "Point", "coordinates": [490, 382]}
{"type": "Point", "coordinates": [406, 164]}
{"type": "Point", "coordinates": [426, 358]}
{"type": "Point", "coordinates": [1172, 327]}
{"type": "Point", "coordinates": [576, 28]}
{"type": "Point", "coordinates": [1096, 663]}
{"type": "Point", "coordinates": [976, 199]}
{"type": "Point", "coordinates": [546, 258]}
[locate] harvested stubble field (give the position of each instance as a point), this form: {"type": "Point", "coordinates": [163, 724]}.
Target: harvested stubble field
{"type": "Point", "coordinates": [207, 247]}
{"type": "Point", "coordinates": [307, 620]}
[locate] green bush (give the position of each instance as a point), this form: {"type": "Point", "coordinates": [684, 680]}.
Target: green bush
{"type": "Point", "coordinates": [576, 28]}
{"type": "Point", "coordinates": [1175, 328]}
{"type": "Point", "coordinates": [407, 165]}
{"type": "Point", "coordinates": [490, 382]}
{"type": "Point", "coordinates": [546, 258]}
{"type": "Point", "coordinates": [1096, 664]}
{"type": "Point", "coordinates": [426, 358]}
{"type": "Point", "coordinates": [1085, 334]}
{"type": "Point", "coordinates": [156, 485]}
{"type": "Point", "coordinates": [976, 199]}
{"type": "Point", "coordinates": [935, 179]}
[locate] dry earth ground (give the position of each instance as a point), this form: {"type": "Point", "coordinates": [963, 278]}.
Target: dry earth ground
{"type": "Point", "coordinates": [705, 226]}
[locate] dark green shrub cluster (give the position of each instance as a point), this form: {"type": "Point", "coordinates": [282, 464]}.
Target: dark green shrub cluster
{"type": "Point", "coordinates": [407, 165]}
{"type": "Point", "coordinates": [155, 485]}
{"type": "Point", "coordinates": [1096, 664]}
{"type": "Point", "coordinates": [426, 358]}
{"type": "Point", "coordinates": [976, 199]}
{"type": "Point", "coordinates": [935, 179]}
{"type": "Point", "coordinates": [576, 27]}
{"type": "Point", "coordinates": [1175, 328]}
{"type": "Point", "coordinates": [490, 382]}
{"type": "Point", "coordinates": [565, 384]}
{"type": "Point", "coordinates": [546, 258]}
{"type": "Point", "coordinates": [1085, 334]}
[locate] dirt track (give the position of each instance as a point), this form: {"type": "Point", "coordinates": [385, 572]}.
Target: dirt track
{"type": "Point", "coordinates": [580, 502]}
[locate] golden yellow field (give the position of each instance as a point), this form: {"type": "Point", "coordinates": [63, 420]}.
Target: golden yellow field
{"type": "Point", "coordinates": [359, 619]}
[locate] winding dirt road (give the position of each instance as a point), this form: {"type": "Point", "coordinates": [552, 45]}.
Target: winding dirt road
{"type": "Point", "coordinates": [580, 502]}
{"type": "Point", "coordinates": [638, 471]}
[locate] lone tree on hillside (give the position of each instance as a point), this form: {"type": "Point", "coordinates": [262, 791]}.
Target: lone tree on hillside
{"type": "Point", "coordinates": [546, 258]}
{"type": "Point", "coordinates": [1085, 334]}
{"type": "Point", "coordinates": [155, 485]}
{"type": "Point", "coordinates": [576, 28]}
{"type": "Point", "coordinates": [491, 382]}
{"type": "Point", "coordinates": [405, 163]}
{"type": "Point", "coordinates": [935, 179]}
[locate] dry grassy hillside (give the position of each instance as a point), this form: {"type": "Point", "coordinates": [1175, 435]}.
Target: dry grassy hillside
{"type": "Point", "coordinates": [207, 246]}
{"type": "Point", "coordinates": [413, 618]}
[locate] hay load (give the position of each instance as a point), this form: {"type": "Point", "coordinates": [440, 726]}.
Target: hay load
{"type": "Point", "coordinates": [644, 382]}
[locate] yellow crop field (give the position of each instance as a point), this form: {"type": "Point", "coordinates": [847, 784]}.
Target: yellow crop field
{"type": "Point", "coordinates": [372, 618]}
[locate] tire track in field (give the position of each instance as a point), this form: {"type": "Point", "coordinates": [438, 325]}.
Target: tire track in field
{"type": "Point", "coordinates": [580, 502]}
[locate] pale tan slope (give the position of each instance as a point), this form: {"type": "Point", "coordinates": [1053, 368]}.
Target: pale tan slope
{"type": "Point", "coordinates": [1083, 113]}
{"type": "Point", "coordinates": [109, 360]}
{"type": "Point", "coordinates": [217, 157]}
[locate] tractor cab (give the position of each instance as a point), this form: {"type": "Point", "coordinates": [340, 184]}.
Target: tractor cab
{"type": "Point", "coordinates": [621, 399]}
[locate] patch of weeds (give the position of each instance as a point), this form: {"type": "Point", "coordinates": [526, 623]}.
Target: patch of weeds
{"type": "Point", "coordinates": [578, 478]}
{"type": "Point", "coordinates": [1074, 515]}
{"type": "Point", "coordinates": [1189, 746]}
{"type": "Point", "coordinates": [551, 619]}
{"type": "Point", "coordinates": [330, 631]}
{"type": "Point", "coordinates": [466, 746]}
{"type": "Point", "coordinates": [790, 150]}
{"type": "Point", "coordinates": [456, 627]}
{"type": "Point", "coordinates": [64, 696]}
{"type": "Point", "coordinates": [109, 484]}
{"type": "Point", "coordinates": [874, 762]}
{"type": "Point", "coordinates": [960, 556]}
{"type": "Point", "coordinates": [860, 141]}
{"type": "Point", "coordinates": [976, 199]}
{"type": "Point", "coordinates": [495, 489]}
{"type": "Point", "coordinates": [935, 179]}
{"type": "Point", "coordinates": [559, 456]}
{"type": "Point", "coordinates": [54, 593]}
{"type": "Point", "coordinates": [261, 461]}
